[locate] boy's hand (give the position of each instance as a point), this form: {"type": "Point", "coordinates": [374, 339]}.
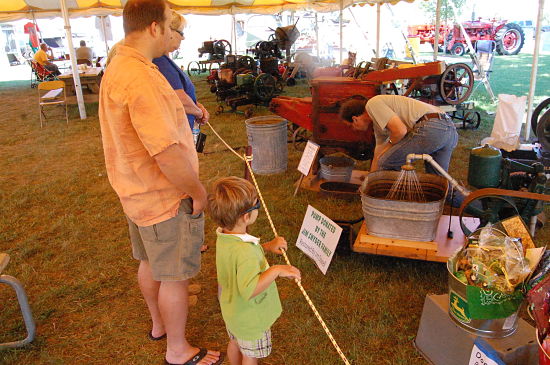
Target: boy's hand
{"type": "Point", "coordinates": [277, 245]}
{"type": "Point", "coordinates": [288, 271]}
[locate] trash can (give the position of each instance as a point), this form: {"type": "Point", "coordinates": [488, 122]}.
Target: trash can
{"type": "Point", "coordinates": [267, 135]}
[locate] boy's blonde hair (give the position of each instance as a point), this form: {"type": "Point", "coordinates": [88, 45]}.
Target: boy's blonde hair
{"type": "Point", "coordinates": [229, 199]}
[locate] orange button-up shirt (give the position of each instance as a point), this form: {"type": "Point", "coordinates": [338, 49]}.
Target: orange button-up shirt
{"type": "Point", "coordinates": [140, 116]}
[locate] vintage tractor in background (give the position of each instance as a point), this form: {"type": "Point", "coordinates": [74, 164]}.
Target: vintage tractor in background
{"type": "Point", "coordinates": [216, 51]}
{"type": "Point", "coordinates": [240, 82]}
{"type": "Point", "coordinates": [509, 37]}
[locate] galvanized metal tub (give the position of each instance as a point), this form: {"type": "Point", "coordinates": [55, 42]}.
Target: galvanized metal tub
{"type": "Point", "coordinates": [336, 168]}
{"type": "Point", "coordinates": [401, 219]}
{"type": "Point", "coordinates": [459, 312]}
{"type": "Point", "coordinates": [267, 135]}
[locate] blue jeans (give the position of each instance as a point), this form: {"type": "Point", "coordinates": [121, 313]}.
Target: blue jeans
{"type": "Point", "coordinates": [436, 137]}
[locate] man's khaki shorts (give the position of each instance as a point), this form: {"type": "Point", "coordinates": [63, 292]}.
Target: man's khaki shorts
{"type": "Point", "coordinates": [172, 247]}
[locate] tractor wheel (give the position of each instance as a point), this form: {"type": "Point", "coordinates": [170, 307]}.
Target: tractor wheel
{"type": "Point", "coordinates": [194, 68]}
{"type": "Point", "coordinates": [439, 49]}
{"type": "Point", "coordinates": [539, 110]}
{"type": "Point", "coordinates": [509, 39]}
{"type": "Point", "coordinates": [543, 130]}
{"type": "Point", "coordinates": [456, 83]}
{"type": "Point", "coordinates": [458, 49]}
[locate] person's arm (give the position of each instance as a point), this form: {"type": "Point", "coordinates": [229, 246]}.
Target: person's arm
{"type": "Point", "coordinates": [269, 276]}
{"type": "Point", "coordinates": [397, 130]}
{"type": "Point", "coordinates": [205, 113]}
{"type": "Point", "coordinates": [174, 164]}
{"type": "Point", "coordinates": [188, 104]}
{"type": "Point", "coordinates": [277, 245]}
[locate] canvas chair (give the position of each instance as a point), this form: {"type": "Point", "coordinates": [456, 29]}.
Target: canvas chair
{"type": "Point", "coordinates": [485, 55]}
{"type": "Point", "coordinates": [23, 305]}
{"type": "Point", "coordinates": [51, 93]}
{"type": "Point", "coordinates": [40, 74]}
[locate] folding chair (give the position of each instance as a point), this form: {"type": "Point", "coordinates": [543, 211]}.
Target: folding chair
{"type": "Point", "coordinates": [51, 93]}
{"type": "Point", "coordinates": [83, 61]}
{"type": "Point", "coordinates": [40, 74]}
{"type": "Point", "coordinates": [483, 64]}
{"type": "Point", "coordinates": [23, 305]}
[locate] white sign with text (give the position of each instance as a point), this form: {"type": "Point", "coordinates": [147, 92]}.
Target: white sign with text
{"type": "Point", "coordinates": [308, 157]}
{"type": "Point", "coordinates": [318, 238]}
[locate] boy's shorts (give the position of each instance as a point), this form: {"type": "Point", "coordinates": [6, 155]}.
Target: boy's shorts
{"type": "Point", "coordinates": [256, 348]}
{"type": "Point", "coordinates": [172, 247]}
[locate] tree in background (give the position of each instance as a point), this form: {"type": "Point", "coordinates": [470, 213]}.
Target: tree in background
{"type": "Point", "coordinates": [446, 10]}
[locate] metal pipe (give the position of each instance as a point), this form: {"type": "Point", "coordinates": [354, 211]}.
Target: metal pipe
{"type": "Point", "coordinates": [412, 156]}
{"type": "Point", "coordinates": [378, 30]}
{"type": "Point", "coordinates": [437, 26]}
{"type": "Point", "coordinates": [76, 76]}
{"type": "Point", "coordinates": [341, 29]}
{"type": "Point", "coordinates": [534, 69]}
{"type": "Point", "coordinates": [533, 225]}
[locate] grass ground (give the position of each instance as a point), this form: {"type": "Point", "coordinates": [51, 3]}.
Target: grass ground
{"type": "Point", "coordinates": [63, 227]}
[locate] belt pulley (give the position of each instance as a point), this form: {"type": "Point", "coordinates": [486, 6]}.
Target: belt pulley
{"type": "Point", "coordinates": [491, 205]}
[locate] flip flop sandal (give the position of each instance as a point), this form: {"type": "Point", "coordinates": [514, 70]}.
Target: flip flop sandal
{"type": "Point", "coordinates": [197, 358]}
{"type": "Point", "coordinates": [153, 338]}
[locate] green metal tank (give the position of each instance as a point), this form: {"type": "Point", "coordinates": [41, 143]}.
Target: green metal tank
{"type": "Point", "coordinates": [484, 167]}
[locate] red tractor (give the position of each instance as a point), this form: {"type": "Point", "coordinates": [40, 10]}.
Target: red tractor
{"type": "Point", "coordinates": [509, 37]}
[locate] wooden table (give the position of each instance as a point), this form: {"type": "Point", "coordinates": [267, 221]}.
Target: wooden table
{"type": "Point", "coordinates": [90, 77]}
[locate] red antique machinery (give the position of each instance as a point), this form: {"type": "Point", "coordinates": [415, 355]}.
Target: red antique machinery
{"type": "Point", "coordinates": [316, 117]}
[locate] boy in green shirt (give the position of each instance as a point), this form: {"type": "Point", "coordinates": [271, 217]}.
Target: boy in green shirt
{"type": "Point", "coordinates": [247, 291]}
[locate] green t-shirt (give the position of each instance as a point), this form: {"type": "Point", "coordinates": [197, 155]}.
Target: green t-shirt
{"type": "Point", "coordinates": [239, 262]}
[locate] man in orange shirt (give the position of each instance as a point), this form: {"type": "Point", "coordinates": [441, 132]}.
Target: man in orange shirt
{"type": "Point", "coordinates": [153, 167]}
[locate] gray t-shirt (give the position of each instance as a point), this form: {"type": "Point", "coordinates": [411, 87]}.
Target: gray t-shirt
{"type": "Point", "coordinates": [382, 108]}
{"type": "Point", "coordinates": [84, 53]}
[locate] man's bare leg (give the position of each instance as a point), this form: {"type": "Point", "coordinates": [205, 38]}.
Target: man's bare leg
{"type": "Point", "coordinates": [173, 305]}
{"type": "Point", "coordinates": [150, 291]}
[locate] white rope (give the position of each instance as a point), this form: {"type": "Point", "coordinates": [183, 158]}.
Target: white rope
{"type": "Point", "coordinates": [247, 160]}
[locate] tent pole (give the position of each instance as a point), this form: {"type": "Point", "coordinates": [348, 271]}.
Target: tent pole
{"type": "Point", "coordinates": [317, 35]}
{"type": "Point", "coordinates": [534, 70]}
{"type": "Point", "coordinates": [102, 18]}
{"type": "Point", "coordinates": [437, 26]}
{"type": "Point", "coordinates": [234, 34]}
{"type": "Point", "coordinates": [76, 76]}
{"type": "Point", "coordinates": [341, 29]}
{"type": "Point", "coordinates": [378, 30]}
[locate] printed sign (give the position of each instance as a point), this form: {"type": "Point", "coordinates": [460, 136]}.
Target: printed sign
{"type": "Point", "coordinates": [308, 157]}
{"type": "Point", "coordinates": [484, 354]}
{"type": "Point", "coordinates": [318, 238]}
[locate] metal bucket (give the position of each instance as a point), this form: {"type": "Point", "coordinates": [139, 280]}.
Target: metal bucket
{"type": "Point", "coordinates": [268, 137]}
{"type": "Point", "coordinates": [401, 219]}
{"type": "Point", "coordinates": [336, 168]}
{"type": "Point", "coordinates": [459, 313]}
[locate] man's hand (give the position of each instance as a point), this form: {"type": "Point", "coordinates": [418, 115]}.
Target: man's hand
{"type": "Point", "coordinates": [205, 115]}
{"type": "Point", "coordinates": [199, 201]}
{"type": "Point", "coordinates": [276, 246]}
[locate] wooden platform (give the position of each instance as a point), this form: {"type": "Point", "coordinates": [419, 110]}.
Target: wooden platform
{"type": "Point", "coordinates": [438, 250]}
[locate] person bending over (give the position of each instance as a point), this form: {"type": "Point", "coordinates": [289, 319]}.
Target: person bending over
{"type": "Point", "coordinates": [402, 126]}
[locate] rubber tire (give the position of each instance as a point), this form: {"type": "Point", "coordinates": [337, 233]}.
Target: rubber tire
{"type": "Point", "coordinates": [543, 130]}
{"type": "Point", "coordinates": [498, 39]}
{"type": "Point", "coordinates": [536, 114]}
{"type": "Point", "coordinates": [458, 49]}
